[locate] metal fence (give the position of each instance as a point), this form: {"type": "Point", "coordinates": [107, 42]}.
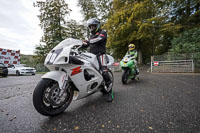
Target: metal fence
{"type": "Point", "coordinates": [171, 62]}
{"type": "Point", "coordinates": [116, 68]}
{"type": "Point", "coordinates": [173, 66]}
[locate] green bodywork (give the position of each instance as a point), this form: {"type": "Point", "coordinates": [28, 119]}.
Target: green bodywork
{"type": "Point", "coordinates": [130, 64]}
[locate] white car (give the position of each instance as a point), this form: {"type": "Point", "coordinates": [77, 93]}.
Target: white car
{"type": "Point", "coordinates": [21, 70]}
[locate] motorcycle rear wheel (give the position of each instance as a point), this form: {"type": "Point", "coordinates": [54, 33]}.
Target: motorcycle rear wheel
{"type": "Point", "coordinates": [49, 99]}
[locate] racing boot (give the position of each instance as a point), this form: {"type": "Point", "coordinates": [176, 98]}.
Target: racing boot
{"type": "Point", "coordinates": [106, 78]}
{"type": "Point", "coordinates": [137, 78]}
{"type": "Point", "coordinates": [137, 74]}
{"type": "Point", "coordinates": [110, 96]}
{"type": "Point", "coordinates": [108, 83]}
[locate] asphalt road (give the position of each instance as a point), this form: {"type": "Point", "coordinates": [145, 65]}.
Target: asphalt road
{"type": "Point", "coordinates": [159, 103]}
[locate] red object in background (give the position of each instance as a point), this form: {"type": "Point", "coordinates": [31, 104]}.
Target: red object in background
{"type": "Point", "coordinates": [14, 62]}
{"type": "Point", "coordinates": [116, 64]}
{"type": "Point", "coordinates": [6, 62]}
{"type": "Point", "coordinates": [3, 53]}
{"type": "Point", "coordinates": [156, 63]}
{"type": "Point", "coordinates": [8, 56]}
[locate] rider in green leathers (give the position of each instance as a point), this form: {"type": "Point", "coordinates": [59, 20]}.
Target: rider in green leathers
{"type": "Point", "coordinates": [134, 54]}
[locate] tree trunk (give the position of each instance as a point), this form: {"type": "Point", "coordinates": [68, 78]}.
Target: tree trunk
{"type": "Point", "coordinates": [140, 58]}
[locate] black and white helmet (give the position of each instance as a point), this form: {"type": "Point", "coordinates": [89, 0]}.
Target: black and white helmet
{"type": "Point", "coordinates": [93, 25]}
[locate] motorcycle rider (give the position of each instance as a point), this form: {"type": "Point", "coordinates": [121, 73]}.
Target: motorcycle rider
{"type": "Point", "coordinates": [133, 53]}
{"type": "Point", "coordinates": [97, 45]}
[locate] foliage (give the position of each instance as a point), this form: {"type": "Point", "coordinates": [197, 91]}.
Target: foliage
{"type": "Point", "coordinates": [187, 42]}
{"type": "Point", "coordinates": [134, 22]}
{"type": "Point", "coordinates": [99, 9]}
{"type": "Point", "coordinates": [151, 25]}
{"type": "Point", "coordinates": [41, 51]}
{"type": "Point", "coordinates": [186, 13]}
{"type": "Point", "coordinates": [52, 20]}
{"type": "Point", "coordinates": [28, 60]}
{"type": "Point", "coordinates": [103, 8]}
{"type": "Point", "coordinates": [87, 9]}
{"type": "Point", "coordinates": [75, 30]}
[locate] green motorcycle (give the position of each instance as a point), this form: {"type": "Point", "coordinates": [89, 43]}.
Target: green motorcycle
{"type": "Point", "coordinates": [128, 68]}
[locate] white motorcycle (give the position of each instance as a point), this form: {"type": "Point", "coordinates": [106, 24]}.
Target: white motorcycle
{"type": "Point", "coordinates": [73, 75]}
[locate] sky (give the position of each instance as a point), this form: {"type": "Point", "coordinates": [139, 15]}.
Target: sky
{"type": "Point", "coordinates": [19, 24]}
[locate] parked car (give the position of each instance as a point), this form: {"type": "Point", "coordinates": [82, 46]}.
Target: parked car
{"type": "Point", "coordinates": [3, 70]}
{"type": "Point", "coordinates": [21, 70]}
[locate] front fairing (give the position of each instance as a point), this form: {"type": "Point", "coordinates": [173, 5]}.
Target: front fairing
{"type": "Point", "coordinates": [127, 62]}
{"type": "Point", "coordinates": [60, 53]}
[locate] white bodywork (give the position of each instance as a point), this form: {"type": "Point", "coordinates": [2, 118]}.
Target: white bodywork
{"type": "Point", "coordinates": [62, 71]}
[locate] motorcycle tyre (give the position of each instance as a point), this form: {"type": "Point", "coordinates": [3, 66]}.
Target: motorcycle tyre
{"type": "Point", "coordinates": [38, 99]}
{"type": "Point", "coordinates": [125, 76]}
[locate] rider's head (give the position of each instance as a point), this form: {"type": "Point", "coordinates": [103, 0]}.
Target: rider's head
{"type": "Point", "coordinates": [93, 25]}
{"type": "Point", "coordinates": [131, 47]}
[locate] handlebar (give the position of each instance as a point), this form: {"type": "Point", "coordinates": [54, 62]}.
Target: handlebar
{"type": "Point", "coordinates": [75, 51]}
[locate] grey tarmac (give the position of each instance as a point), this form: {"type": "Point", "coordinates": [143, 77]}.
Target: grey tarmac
{"type": "Point", "coordinates": [158, 103]}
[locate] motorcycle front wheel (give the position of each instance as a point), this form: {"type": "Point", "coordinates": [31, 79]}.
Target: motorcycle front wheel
{"type": "Point", "coordinates": [125, 75]}
{"type": "Point", "coordinates": [49, 99]}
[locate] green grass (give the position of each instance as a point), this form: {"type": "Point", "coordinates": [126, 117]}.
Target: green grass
{"type": "Point", "coordinates": [41, 72]}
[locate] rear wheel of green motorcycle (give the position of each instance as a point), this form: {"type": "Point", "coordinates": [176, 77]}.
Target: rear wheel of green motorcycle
{"type": "Point", "coordinates": [49, 99]}
{"type": "Point", "coordinates": [125, 76]}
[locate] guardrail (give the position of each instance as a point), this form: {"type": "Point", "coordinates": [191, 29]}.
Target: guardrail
{"type": "Point", "coordinates": [172, 66]}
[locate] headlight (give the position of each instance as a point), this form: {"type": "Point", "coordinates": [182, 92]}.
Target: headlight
{"type": "Point", "coordinates": [125, 60]}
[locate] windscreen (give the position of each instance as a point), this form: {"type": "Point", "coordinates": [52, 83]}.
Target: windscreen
{"type": "Point", "coordinates": [68, 42]}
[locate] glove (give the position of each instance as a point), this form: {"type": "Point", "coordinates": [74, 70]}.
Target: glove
{"type": "Point", "coordinates": [85, 42]}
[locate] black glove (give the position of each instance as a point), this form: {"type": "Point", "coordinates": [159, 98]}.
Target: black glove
{"type": "Point", "coordinates": [85, 42]}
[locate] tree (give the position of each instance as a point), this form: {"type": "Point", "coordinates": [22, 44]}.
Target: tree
{"type": "Point", "coordinates": [103, 8]}
{"type": "Point", "coordinates": [187, 42]}
{"type": "Point", "coordinates": [145, 23]}
{"type": "Point", "coordinates": [132, 22]}
{"type": "Point", "coordinates": [99, 9]}
{"type": "Point", "coordinates": [186, 13]}
{"type": "Point", "coordinates": [150, 24]}
{"type": "Point", "coordinates": [41, 51]}
{"type": "Point", "coordinates": [75, 30]}
{"type": "Point", "coordinates": [87, 9]}
{"type": "Point", "coordinates": [28, 60]}
{"type": "Point", "coordinates": [52, 19]}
